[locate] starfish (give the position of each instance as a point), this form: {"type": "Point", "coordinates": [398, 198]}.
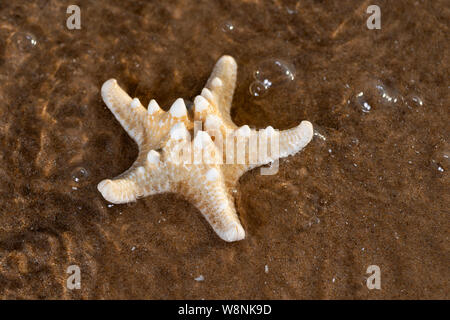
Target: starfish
{"type": "Point", "coordinates": [200, 169]}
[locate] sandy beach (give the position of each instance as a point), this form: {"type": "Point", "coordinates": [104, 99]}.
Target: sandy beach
{"type": "Point", "coordinates": [371, 188]}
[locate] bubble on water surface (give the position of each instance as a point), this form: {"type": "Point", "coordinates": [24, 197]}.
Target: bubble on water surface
{"type": "Point", "coordinates": [311, 222]}
{"type": "Point", "coordinates": [25, 41]}
{"type": "Point", "coordinates": [79, 174]}
{"type": "Point", "coordinates": [271, 73]}
{"type": "Point", "coordinates": [258, 89]}
{"type": "Point", "coordinates": [373, 94]}
{"type": "Point", "coordinates": [319, 135]}
{"type": "Point", "coordinates": [291, 10]}
{"type": "Point", "coordinates": [200, 278]}
{"type": "Point", "coordinates": [414, 101]}
{"type": "Point", "coordinates": [417, 100]}
{"type": "Point", "coordinates": [362, 102]}
{"type": "Point", "coordinates": [386, 93]}
{"type": "Point", "coordinates": [228, 27]}
{"type": "Point", "coordinates": [275, 71]}
{"type": "Point", "coordinates": [441, 157]}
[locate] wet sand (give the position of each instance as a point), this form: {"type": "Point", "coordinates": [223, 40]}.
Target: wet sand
{"type": "Point", "coordinates": [370, 189]}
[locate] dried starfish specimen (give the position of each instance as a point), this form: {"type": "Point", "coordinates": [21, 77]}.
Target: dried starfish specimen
{"type": "Point", "coordinates": [200, 169]}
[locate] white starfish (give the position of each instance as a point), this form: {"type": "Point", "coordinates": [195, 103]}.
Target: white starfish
{"type": "Point", "coordinates": [164, 138]}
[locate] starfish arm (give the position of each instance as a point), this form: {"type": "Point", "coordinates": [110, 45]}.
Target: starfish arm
{"type": "Point", "coordinates": [273, 145]}
{"type": "Point", "coordinates": [220, 86]}
{"type": "Point", "coordinates": [129, 112]}
{"type": "Point", "coordinates": [205, 188]}
{"type": "Point", "coordinates": [145, 177]}
{"type": "Point", "coordinates": [295, 139]}
{"type": "Point", "coordinates": [204, 169]}
{"type": "Point", "coordinates": [266, 146]}
{"type": "Point", "coordinates": [121, 189]}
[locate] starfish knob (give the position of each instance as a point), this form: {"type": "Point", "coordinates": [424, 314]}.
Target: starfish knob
{"type": "Point", "coordinates": [202, 170]}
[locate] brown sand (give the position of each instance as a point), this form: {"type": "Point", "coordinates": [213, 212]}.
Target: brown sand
{"type": "Point", "coordinates": [370, 189]}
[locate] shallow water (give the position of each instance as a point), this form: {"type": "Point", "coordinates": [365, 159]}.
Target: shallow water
{"type": "Point", "coordinates": [370, 189]}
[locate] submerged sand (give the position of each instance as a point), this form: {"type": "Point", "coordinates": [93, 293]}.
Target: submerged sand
{"type": "Point", "coordinates": [370, 189]}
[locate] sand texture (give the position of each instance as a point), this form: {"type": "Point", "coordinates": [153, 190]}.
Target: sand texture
{"type": "Point", "coordinates": [372, 187]}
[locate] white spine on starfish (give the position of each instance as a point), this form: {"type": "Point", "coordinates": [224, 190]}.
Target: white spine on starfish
{"type": "Point", "coordinates": [153, 107]}
{"type": "Point", "coordinates": [216, 82]}
{"type": "Point", "coordinates": [201, 104]}
{"type": "Point", "coordinates": [135, 103]}
{"type": "Point", "coordinates": [179, 131]}
{"type": "Point", "coordinates": [243, 131]}
{"type": "Point", "coordinates": [177, 113]}
{"type": "Point", "coordinates": [242, 141]}
{"type": "Point", "coordinates": [206, 183]}
{"type": "Point", "coordinates": [178, 109]}
{"type": "Point", "coordinates": [202, 108]}
{"type": "Point", "coordinates": [269, 149]}
{"type": "Point", "coordinates": [177, 149]}
{"type": "Point", "coordinates": [202, 140]}
{"type": "Point", "coordinates": [153, 158]}
{"type": "Point", "coordinates": [205, 151]}
{"type": "Point", "coordinates": [159, 122]}
{"type": "Point", "coordinates": [206, 93]}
